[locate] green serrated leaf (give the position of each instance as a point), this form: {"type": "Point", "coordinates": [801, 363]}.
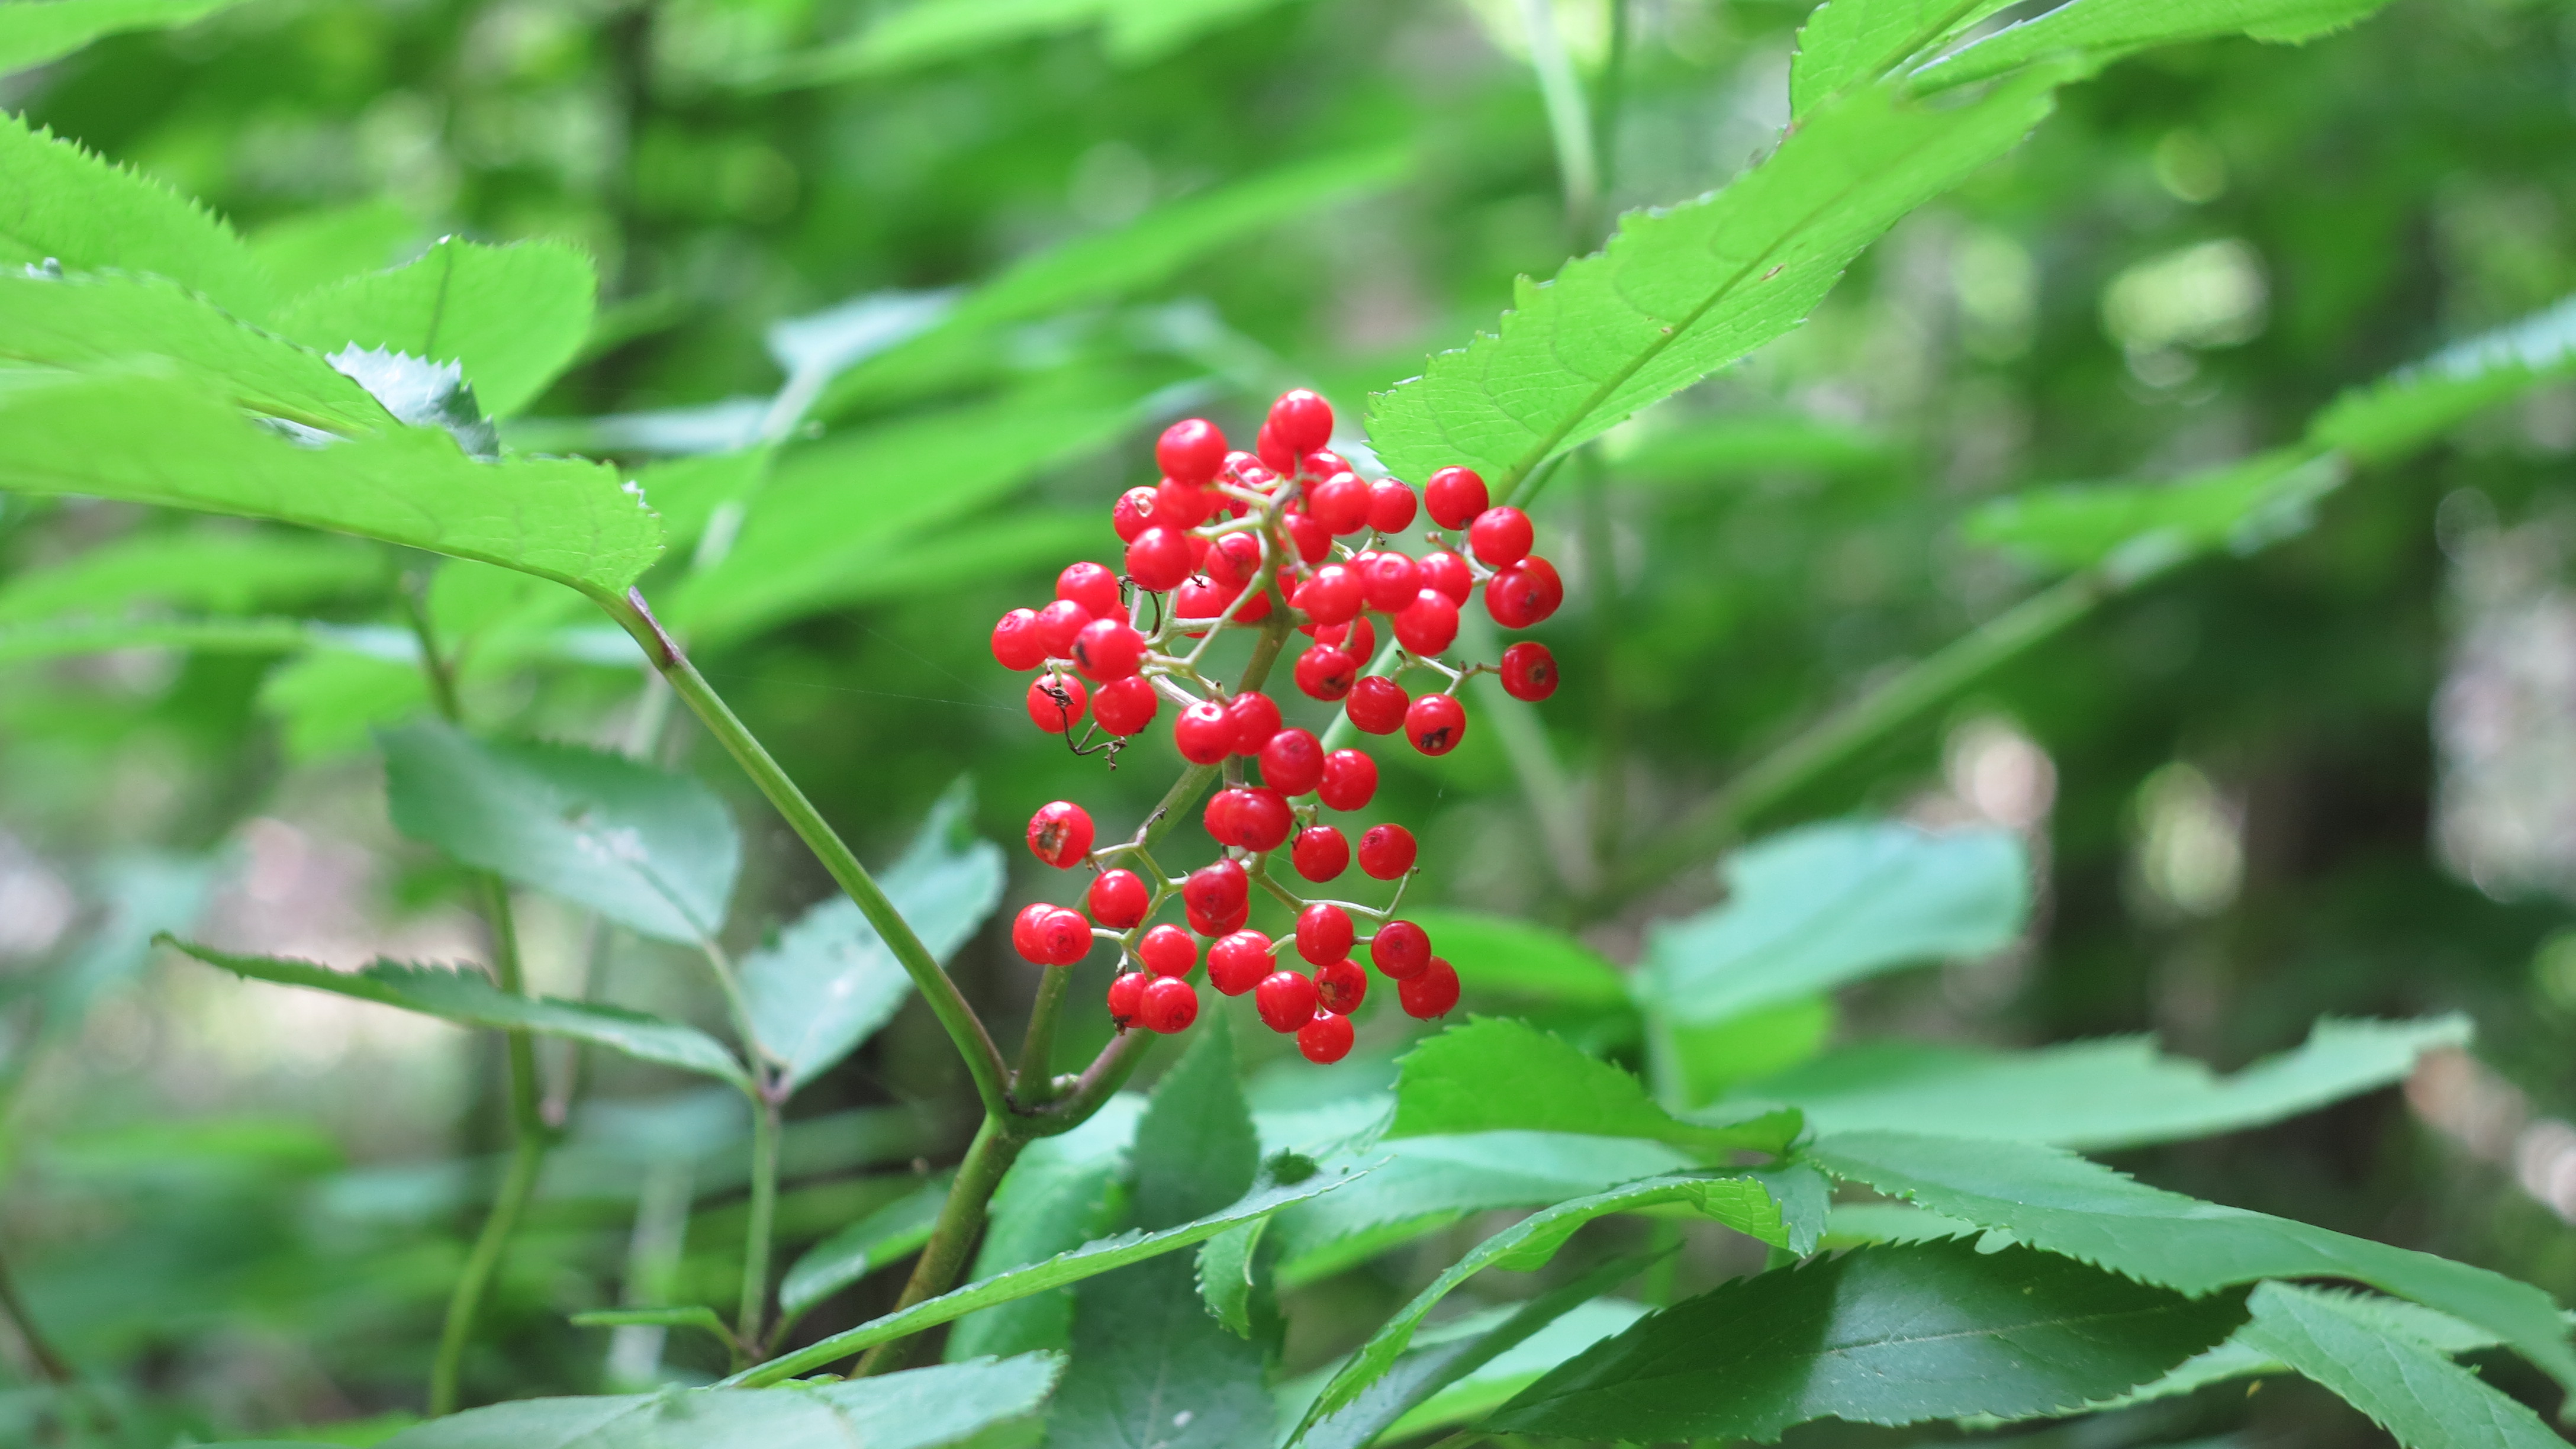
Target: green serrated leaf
{"type": "Point", "coordinates": [1063, 1192]}
{"type": "Point", "coordinates": [2102, 1094]}
{"type": "Point", "coordinates": [2417, 404]}
{"type": "Point", "coordinates": [2100, 31]}
{"type": "Point", "coordinates": [31, 34]}
{"type": "Point", "coordinates": [569, 521]}
{"type": "Point", "coordinates": [1878, 1336]}
{"type": "Point", "coordinates": [1824, 905]}
{"type": "Point", "coordinates": [891, 1233]}
{"type": "Point", "coordinates": [313, 249]}
{"type": "Point", "coordinates": [1519, 958]}
{"type": "Point", "coordinates": [1495, 1075]}
{"type": "Point", "coordinates": [2058, 1201]}
{"type": "Point", "coordinates": [1228, 1276]}
{"type": "Point", "coordinates": [829, 982]}
{"type": "Point", "coordinates": [2237, 1358]}
{"type": "Point", "coordinates": [655, 852]}
{"type": "Point", "coordinates": [1681, 292]}
{"type": "Point", "coordinates": [927, 1408]}
{"type": "Point", "coordinates": [468, 997]}
{"type": "Point", "coordinates": [511, 316]}
{"type": "Point", "coordinates": [2242, 505]}
{"type": "Point", "coordinates": [59, 202]}
{"type": "Point", "coordinates": [1850, 43]}
{"type": "Point", "coordinates": [2404, 1384]}
{"type": "Point", "coordinates": [219, 572]}
{"type": "Point", "coordinates": [1515, 1369]}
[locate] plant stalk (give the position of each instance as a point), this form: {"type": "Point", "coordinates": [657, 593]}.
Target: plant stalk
{"type": "Point", "coordinates": [750, 1322]}
{"type": "Point", "coordinates": [1033, 1085]}
{"type": "Point", "coordinates": [48, 1362]}
{"type": "Point", "coordinates": [961, 1219]}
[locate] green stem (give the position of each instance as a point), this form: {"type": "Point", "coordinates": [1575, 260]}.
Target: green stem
{"type": "Point", "coordinates": [961, 1218]}
{"type": "Point", "coordinates": [525, 1160]}
{"type": "Point", "coordinates": [983, 1059]}
{"type": "Point", "coordinates": [48, 1362]}
{"type": "Point", "coordinates": [750, 1323]}
{"type": "Point", "coordinates": [1033, 1085]}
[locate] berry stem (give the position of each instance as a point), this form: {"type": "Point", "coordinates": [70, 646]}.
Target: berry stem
{"type": "Point", "coordinates": [974, 1043]}
{"type": "Point", "coordinates": [961, 1219]}
{"type": "Point", "coordinates": [1033, 1085]}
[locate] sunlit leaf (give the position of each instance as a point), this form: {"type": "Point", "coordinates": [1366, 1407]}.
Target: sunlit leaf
{"type": "Point", "coordinates": [512, 316]}
{"type": "Point", "coordinates": [221, 572]}
{"type": "Point", "coordinates": [1520, 958]}
{"type": "Point", "coordinates": [1848, 43]}
{"type": "Point", "coordinates": [2100, 31]}
{"type": "Point", "coordinates": [1495, 1075]}
{"type": "Point", "coordinates": [31, 34]}
{"type": "Point", "coordinates": [59, 202]}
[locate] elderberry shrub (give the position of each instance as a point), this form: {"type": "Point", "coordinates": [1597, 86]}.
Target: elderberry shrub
{"type": "Point", "coordinates": [1230, 539]}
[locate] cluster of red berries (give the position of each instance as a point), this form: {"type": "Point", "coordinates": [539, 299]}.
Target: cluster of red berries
{"type": "Point", "coordinates": [1231, 540]}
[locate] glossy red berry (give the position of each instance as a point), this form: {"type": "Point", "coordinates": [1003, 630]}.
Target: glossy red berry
{"type": "Point", "coordinates": [1400, 950]}
{"type": "Point", "coordinates": [1332, 596]}
{"type": "Point", "coordinates": [1500, 536]}
{"type": "Point", "coordinates": [1325, 672]}
{"type": "Point", "coordinates": [1388, 581]}
{"type": "Point", "coordinates": [1190, 450]}
{"type": "Point", "coordinates": [1529, 671]}
{"type": "Point", "coordinates": [1201, 598]}
{"type": "Point", "coordinates": [1233, 559]}
{"type": "Point", "coordinates": [1108, 649]}
{"type": "Point", "coordinates": [1057, 625]}
{"type": "Point", "coordinates": [1125, 706]}
{"type": "Point", "coordinates": [1167, 950]}
{"type": "Point", "coordinates": [1455, 496]}
{"type": "Point", "coordinates": [1324, 463]}
{"type": "Point", "coordinates": [1016, 643]}
{"type": "Point", "coordinates": [1168, 1005]}
{"type": "Point", "coordinates": [1046, 935]}
{"type": "Point", "coordinates": [1391, 506]}
{"type": "Point", "coordinates": [1350, 780]}
{"type": "Point", "coordinates": [1313, 541]}
{"type": "Point", "coordinates": [1183, 505]}
{"type": "Point", "coordinates": [1293, 762]}
{"type": "Point", "coordinates": [1060, 834]}
{"type": "Point", "coordinates": [1132, 514]}
{"type": "Point", "coordinates": [1056, 702]}
{"type": "Point", "coordinates": [1092, 586]}
{"type": "Point", "coordinates": [1433, 993]}
{"type": "Point", "coordinates": [1524, 595]}
{"type": "Point", "coordinates": [1377, 705]}
{"type": "Point", "coordinates": [1341, 502]}
{"type": "Point", "coordinates": [1276, 454]}
{"type": "Point", "coordinates": [1204, 733]}
{"type": "Point", "coordinates": [1237, 962]}
{"type": "Point", "coordinates": [1126, 995]}
{"type": "Point", "coordinates": [1302, 420]}
{"type": "Point", "coordinates": [1386, 851]}
{"type": "Point", "coordinates": [1120, 898]}
{"type": "Point", "coordinates": [1436, 723]}
{"type": "Point", "coordinates": [1216, 890]}
{"type": "Point", "coordinates": [1249, 819]}
{"type": "Point", "coordinates": [1159, 558]}
{"type": "Point", "coordinates": [1320, 853]}
{"type": "Point", "coordinates": [1324, 934]}
{"type": "Point", "coordinates": [1340, 987]}
{"type": "Point", "coordinates": [1447, 572]}
{"type": "Point", "coordinates": [1219, 923]}
{"type": "Point", "coordinates": [1285, 999]}
{"type": "Point", "coordinates": [1358, 639]}
{"type": "Point", "coordinates": [1326, 1039]}
{"type": "Point", "coordinates": [1428, 624]}
{"type": "Point", "coordinates": [1256, 719]}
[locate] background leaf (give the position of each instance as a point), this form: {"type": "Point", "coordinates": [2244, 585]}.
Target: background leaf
{"type": "Point", "coordinates": [1519, 958]}
{"type": "Point", "coordinates": [891, 1233]}
{"type": "Point", "coordinates": [1501, 1075]}
{"type": "Point", "coordinates": [513, 316]}
{"type": "Point", "coordinates": [32, 34]}
{"type": "Point", "coordinates": [61, 203]}
{"type": "Point", "coordinates": [2404, 1384]}
{"type": "Point", "coordinates": [2101, 31]}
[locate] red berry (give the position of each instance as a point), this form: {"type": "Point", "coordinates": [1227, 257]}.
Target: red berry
{"type": "Point", "coordinates": [1391, 506]}
{"type": "Point", "coordinates": [1358, 638]}
{"type": "Point", "coordinates": [1455, 496]}
{"type": "Point", "coordinates": [1092, 586]}
{"type": "Point", "coordinates": [1387, 580]}
{"type": "Point", "coordinates": [1190, 450]}
{"type": "Point", "coordinates": [1132, 514]}
{"type": "Point", "coordinates": [1301, 420]}
{"type": "Point", "coordinates": [1324, 935]}
{"type": "Point", "coordinates": [1056, 701]}
{"type": "Point", "coordinates": [1314, 542]}
{"type": "Point", "coordinates": [1159, 558]}
{"type": "Point", "coordinates": [1386, 851]}
{"type": "Point", "coordinates": [1234, 464]}
{"type": "Point", "coordinates": [1320, 853]}
{"type": "Point", "coordinates": [1332, 596]}
{"type": "Point", "coordinates": [1201, 598]}
{"type": "Point", "coordinates": [1126, 994]}
{"type": "Point", "coordinates": [1350, 780]}
{"type": "Point", "coordinates": [1341, 502]}
{"type": "Point", "coordinates": [1046, 935]}
{"type": "Point", "coordinates": [1293, 762]}
{"type": "Point", "coordinates": [1219, 925]}
{"type": "Point", "coordinates": [1204, 733]}
{"type": "Point", "coordinates": [1326, 1039]}
{"type": "Point", "coordinates": [1119, 899]}
{"type": "Point", "coordinates": [1500, 536]}
{"type": "Point", "coordinates": [1524, 595]}
{"type": "Point", "coordinates": [1256, 719]}
{"type": "Point", "coordinates": [1217, 889]}
{"type": "Point", "coordinates": [1125, 706]}
{"type": "Point", "coordinates": [1436, 723]}
{"type": "Point", "coordinates": [1016, 644]}
{"type": "Point", "coordinates": [1529, 671]}
{"type": "Point", "coordinates": [1237, 962]}
{"type": "Point", "coordinates": [1447, 572]}
{"type": "Point", "coordinates": [1060, 834]}
{"type": "Point", "coordinates": [1276, 452]}
{"type": "Point", "coordinates": [1168, 1005]}
{"type": "Point", "coordinates": [1108, 649]}
{"type": "Point", "coordinates": [1183, 505]}
{"type": "Point", "coordinates": [1167, 950]}
{"type": "Point", "coordinates": [1340, 987]}
{"type": "Point", "coordinates": [1325, 672]}
{"type": "Point", "coordinates": [1400, 950]}
{"type": "Point", "coordinates": [1427, 625]}
{"type": "Point", "coordinates": [1057, 625]}
{"type": "Point", "coordinates": [1285, 999]}
{"type": "Point", "coordinates": [1377, 705]}
{"type": "Point", "coordinates": [1253, 610]}
{"type": "Point", "coordinates": [1249, 819]}
{"type": "Point", "coordinates": [1324, 463]}
{"type": "Point", "coordinates": [1233, 559]}
{"type": "Point", "coordinates": [1433, 993]}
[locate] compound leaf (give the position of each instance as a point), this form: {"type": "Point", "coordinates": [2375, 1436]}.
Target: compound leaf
{"type": "Point", "coordinates": [2242, 506]}
{"type": "Point", "coordinates": [2100, 31]}
{"type": "Point", "coordinates": [1847, 43]}
{"type": "Point", "coordinates": [1499, 1075]}
{"type": "Point", "coordinates": [2404, 1384]}
{"type": "Point", "coordinates": [511, 316]}
{"type": "Point", "coordinates": [61, 203]}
